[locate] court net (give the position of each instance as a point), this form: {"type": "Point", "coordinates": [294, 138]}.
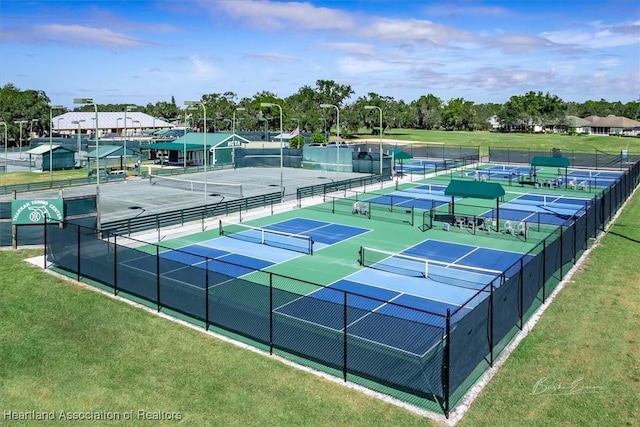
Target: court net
{"type": "Point", "coordinates": [265, 236]}
{"type": "Point", "coordinates": [451, 274]}
{"type": "Point", "coordinates": [212, 188]}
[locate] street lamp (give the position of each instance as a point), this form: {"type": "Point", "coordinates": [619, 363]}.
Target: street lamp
{"type": "Point", "coordinates": [186, 125]}
{"type": "Point", "coordinates": [20, 122]}
{"type": "Point", "coordinates": [233, 131]}
{"type": "Point", "coordinates": [51, 108]}
{"type": "Point", "coordinates": [95, 106]}
{"type": "Point", "coordinates": [324, 128]}
{"type": "Point", "coordinates": [6, 144]}
{"type": "Point", "coordinates": [297, 127]}
{"type": "Point", "coordinates": [204, 143]}
{"type": "Point", "coordinates": [127, 109]}
{"type": "Point", "coordinates": [31, 126]}
{"type": "Point", "coordinates": [337, 135]}
{"type": "Point", "coordinates": [58, 125]}
{"type": "Point", "coordinates": [271, 104]}
{"type": "Point", "coordinates": [77, 122]}
{"type": "Point", "coordinates": [373, 107]}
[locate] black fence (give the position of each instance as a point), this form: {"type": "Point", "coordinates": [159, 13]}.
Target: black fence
{"type": "Point", "coordinates": [58, 184]}
{"type": "Point", "coordinates": [597, 159]}
{"type": "Point", "coordinates": [196, 213]}
{"type": "Point", "coordinates": [432, 359]}
{"type": "Point", "coordinates": [427, 151]}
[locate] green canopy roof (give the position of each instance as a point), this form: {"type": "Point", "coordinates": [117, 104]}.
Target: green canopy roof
{"type": "Point", "coordinates": [556, 162]}
{"type": "Point", "coordinates": [172, 146]}
{"type": "Point", "coordinates": [400, 155]}
{"type": "Point", "coordinates": [474, 189]}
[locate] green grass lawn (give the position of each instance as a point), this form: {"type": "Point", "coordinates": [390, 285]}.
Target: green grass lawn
{"type": "Point", "coordinates": [484, 140]}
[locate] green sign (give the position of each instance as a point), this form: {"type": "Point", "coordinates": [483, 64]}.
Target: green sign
{"type": "Point", "coordinates": [35, 211]}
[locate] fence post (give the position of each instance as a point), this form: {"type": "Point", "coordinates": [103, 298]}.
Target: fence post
{"type": "Point", "coordinates": [491, 324]}
{"type": "Point", "coordinates": [521, 277]}
{"type": "Point", "coordinates": [561, 249]}
{"type": "Point", "coordinates": [78, 250]}
{"type": "Point", "coordinates": [206, 295]}
{"type": "Point", "coordinates": [344, 326]}
{"type": "Point", "coordinates": [158, 277]}
{"type": "Point", "coordinates": [115, 263]}
{"type": "Point", "coordinates": [270, 313]}
{"type": "Point", "coordinates": [44, 237]}
{"type": "Point", "coordinates": [544, 270]}
{"type": "Point", "coordinates": [446, 364]}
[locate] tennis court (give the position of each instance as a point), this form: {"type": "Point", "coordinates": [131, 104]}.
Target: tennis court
{"type": "Point", "coordinates": [421, 165]}
{"type": "Point", "coordinates": [424, 197]}
{"type": "Point", "coordinates": [428, 278]}
{"type": "Point", "coordinates": [552, 209]}
{"type": "Point", "coordinates": [243, 249]}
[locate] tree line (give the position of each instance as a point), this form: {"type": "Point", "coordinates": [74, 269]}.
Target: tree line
{"type": "Point", "coordinates": [520, 112]}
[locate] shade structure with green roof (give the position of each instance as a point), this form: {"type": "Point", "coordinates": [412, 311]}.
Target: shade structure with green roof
{"type": "Point", "coordinates": [477, 190]}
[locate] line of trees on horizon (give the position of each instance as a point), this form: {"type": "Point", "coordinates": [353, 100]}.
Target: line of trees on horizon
{"type": "Point", "coordinates": [521, 112]}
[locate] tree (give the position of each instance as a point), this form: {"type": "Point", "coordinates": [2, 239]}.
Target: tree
{"type": "Point", "coordinates": [427, 112]}
{"type": "Point", "coordinates": [458, 114]}
{"type": "Point", "coordinates": [29, 105]}
{"type": "Point", "coordinates": [296, 142]}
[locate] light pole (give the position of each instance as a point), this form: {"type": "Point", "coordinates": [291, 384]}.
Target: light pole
{"type": "Point", "coordinates": [95, 106]}
{"type": "Point", "coordinates": [20, 122]}
{"type": "Point", "coordinates": [127, 109]}
{"type": "Point", "coordinates": [53, 107]}
{"type": "Point", "coordinates": [324, 128]}
{"type": "Point", "coordinates": [374, 107]}
{"type": "Point", "coordinates": [6, 144]}
{"type": "Point", "coordinates": [233, 131]}
{"type": "Point", "coordinates": [77, 122]}
{"type": "Point", "coordinates": [337, 135]}
{"type": "Point", "coordinates": [204, 143]}
{"type": "Point", "coordinates": [58, 125]}
{"type": "Point", "coordinates": [31, 126]}
{"type": "Point", "coordinates": [297, 127]}
{"type": "Point", "coordinates": [186, 125]}
{"type": "Point", "coordinates": [271, 104]}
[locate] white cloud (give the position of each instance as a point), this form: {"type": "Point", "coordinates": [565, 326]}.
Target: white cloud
{"type": "Point", "coordinates": [601, 37]}
{"type": "Point", "coordinates": [353, 48]}
{"type": "Point", "coordinates": [79, 34]}
{"type": "Point", "coordinates": [272, 56]}
{"type": "Point", "coordinates": [404, 30]}
{"type": "Point", "coordinates": [272, 15]}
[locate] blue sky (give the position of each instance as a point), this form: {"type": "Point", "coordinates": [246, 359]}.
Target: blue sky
{"type": "Point", "coordinates": [140, 52]}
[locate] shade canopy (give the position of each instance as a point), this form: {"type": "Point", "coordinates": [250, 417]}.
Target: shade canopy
{"type": "Point", "coordinates": [474, 189]}
{"type": "Point", "coordinates": [400, 155]}
{"type": "Point", "coordinates": [556, 162]}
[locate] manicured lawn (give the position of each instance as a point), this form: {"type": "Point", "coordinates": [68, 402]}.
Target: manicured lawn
{"type": "Point", "coordinates": [586, 143]}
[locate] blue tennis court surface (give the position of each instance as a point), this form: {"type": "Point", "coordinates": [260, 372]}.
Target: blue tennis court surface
{"type": "Point", "coordinates": [500, 172]}
{"type": "Point", "coordinates": [379, 298]}
{"type": "Point", "coordinates": [236, 257]}
{"type": "Point", "coordinates": [544, 208]}
{"type": "Point", "coordinates": [424, 197]}
{"type": "Point", "coordinates": [421, 165]}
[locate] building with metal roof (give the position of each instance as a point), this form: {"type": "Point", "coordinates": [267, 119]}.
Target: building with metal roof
{"type": "Point", "coordinates": [108, 123]}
